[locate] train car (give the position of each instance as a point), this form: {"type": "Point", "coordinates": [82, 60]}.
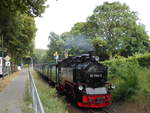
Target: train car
{"type": "Point", "coordinates": [49, 71]}
{"type": "Point", "coordinates": [52, 74]}
{"type": "Point", "coordinates": [80, 78]}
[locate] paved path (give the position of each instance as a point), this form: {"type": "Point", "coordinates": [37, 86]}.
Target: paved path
{"type": "Point", "coordinates": [11, 97]}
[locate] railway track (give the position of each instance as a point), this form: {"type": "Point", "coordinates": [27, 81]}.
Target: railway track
{"type": "Point", "coordinates": [72, 108]}
{"type": "Point", "coordinates": [103, 110]}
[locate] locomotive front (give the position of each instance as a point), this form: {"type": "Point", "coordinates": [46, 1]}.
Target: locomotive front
{"type": "Point", "coordinates": [91, 77]}
{"type": "Point", "coordinates": [85, 81]}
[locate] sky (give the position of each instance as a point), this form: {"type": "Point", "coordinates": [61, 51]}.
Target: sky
{"type": "Point", "coordinates": [63, 14]}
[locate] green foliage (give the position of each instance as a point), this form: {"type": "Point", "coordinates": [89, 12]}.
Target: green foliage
{"type": "Point", "coordinates": [143, 95]}
{"type": "Point", "coordinates": [130, 76]}
{"type": "Point", "coordinates": [100, 48]}
{"type": "Point", "coordinates": [17, 26]}
{"type": "Point", "coordinates": [67, 42]}
{"type": "Point", "coordinates": [30, 7]}
{"type": "Point", "coordinates": [19, 36]}
{"type": "Point", "coordinates": [118, 27]}
{"type": "Point", "coordinates": [126, 80]}
{"type": "Point", "coordinates": [144, 82]}
{"type": "Point", "coordinates": [40, 56]}
{"type": "Point", "coordinates": [56, 44]}
{"type": "Point", "coordinates": [78, 28]}
{"type": "Point", "coordinates": [113, 29]}
{"type": "Point", "coordinates": [143, 60]}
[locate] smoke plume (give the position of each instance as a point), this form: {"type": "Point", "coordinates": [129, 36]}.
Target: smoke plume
{"type": "Point", "coordinates": [79, 42]}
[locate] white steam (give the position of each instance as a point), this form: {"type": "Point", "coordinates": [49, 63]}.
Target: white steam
{"type": "Point", "coordinates": [79, 42]}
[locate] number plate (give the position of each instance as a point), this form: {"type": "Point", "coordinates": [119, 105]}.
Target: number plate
{"type": "Point", "coordinates": [95, 75]}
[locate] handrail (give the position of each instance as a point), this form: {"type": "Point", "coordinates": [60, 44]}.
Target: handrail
{"type": "Point", "coordinates": [37, 105]}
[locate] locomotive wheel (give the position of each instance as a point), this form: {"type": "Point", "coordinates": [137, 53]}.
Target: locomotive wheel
{"type": "Point", "coordinates": [70, 94]}
{"type": "Point", "coordinates": [60, 91]}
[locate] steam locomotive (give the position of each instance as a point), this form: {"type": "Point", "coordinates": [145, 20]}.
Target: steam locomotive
{"type": "Point", "coordinates": [80, 78]}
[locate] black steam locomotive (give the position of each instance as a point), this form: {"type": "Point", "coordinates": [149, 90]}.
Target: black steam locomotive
{"type": "Point", "coordinates": [80, 78]}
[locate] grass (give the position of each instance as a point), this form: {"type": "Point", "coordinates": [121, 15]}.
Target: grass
{"type": "Point", "coordinates": [27, 104]}
{"type": "Point", "coordinates": [48, 95]}
{"type": "Point", "coordinates": [7, 80]}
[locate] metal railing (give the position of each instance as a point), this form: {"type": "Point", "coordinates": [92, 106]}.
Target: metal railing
{"type": "Point", "coordinates": [37, 105]}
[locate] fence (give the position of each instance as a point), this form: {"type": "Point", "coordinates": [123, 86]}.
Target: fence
{"type": "Point", "coordinates": [37, 105]}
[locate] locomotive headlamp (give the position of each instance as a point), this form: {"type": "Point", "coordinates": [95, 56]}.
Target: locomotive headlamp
{"type": "Point", "coordinates": [80, 87]}
{"type": "Point", "coordinates": [96, 58]}
{"type": "Point", "coordinates": [113, 86]}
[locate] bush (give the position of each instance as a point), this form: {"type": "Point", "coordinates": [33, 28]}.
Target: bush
{"type": "Point", "coordinates": [130, 75]}
{"type": "Point", "coordinates": [125, 77]}
{"type": "Point", "coordinates": [144, 82]}
{"type": "Point", "coordinates": [143, 60]}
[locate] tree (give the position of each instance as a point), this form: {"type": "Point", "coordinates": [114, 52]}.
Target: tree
{"type": "Point", "coordinates": [136, 42]}
{"type": "Point", "coordinates": [90, 31]}
{"type": "Point", "coordinates": [39, 56]}
{"type": "Point", "coordinates": [17, 26]}
{"type": "Point", "coordinates": [56, 44]}
{"type": "Point", "coordinates": [111, 29]}
{"type": "Point", "coordinates": [100, 48]}
{"type": "Point", "coordinates": [118, 27]}
{"type": "Point", "coordinates": [19, 33]}
{"type": "Point", "coordinates": [78, 28]}
{"type": "Point", "coordinates": [87, 29]}
{"type": "Point", "coordinates": [30, 7]}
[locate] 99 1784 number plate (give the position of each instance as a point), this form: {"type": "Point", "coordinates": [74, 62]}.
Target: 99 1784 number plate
{"type": "Point", "coordinates": [95, 75]}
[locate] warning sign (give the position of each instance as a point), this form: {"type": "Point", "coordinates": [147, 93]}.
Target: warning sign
{"type": "Point", "coordinates": [7, 58]}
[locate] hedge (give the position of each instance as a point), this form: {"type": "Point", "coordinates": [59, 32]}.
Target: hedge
{"type": "Point", "coordinates": [143, 60]}
{"type": "Point", "coordinates": [125, 74]}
